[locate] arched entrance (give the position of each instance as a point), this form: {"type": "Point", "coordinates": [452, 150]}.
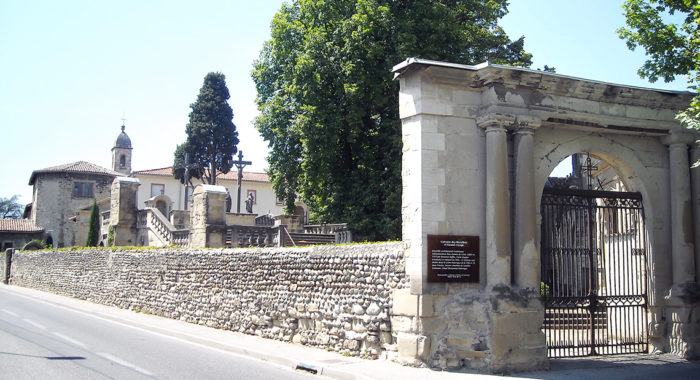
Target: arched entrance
{"type": "Point", "coordinates": [593, 263]}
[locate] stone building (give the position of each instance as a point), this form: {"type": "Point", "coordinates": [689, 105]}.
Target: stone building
{"type": "Point", "coordinates": [492, 250]}
{"type": "Point", "coordinates": [156, 182]}
{"type": "Point", "coordinates": [60, 192]}
{"type": "Point", "coordinates": [15, 233]}
{"type": "Point", "coordinates": [63, 195]}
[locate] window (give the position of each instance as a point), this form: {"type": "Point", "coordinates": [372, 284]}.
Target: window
{"type": "Point", "coordinates": [279, 201]}
{"type": "Point", "coordinates": [157, 189]}
{"type": "Point", "coordinates": [254, 194]}
{"type": "Point", "coordinates": [83, 190]}
{"type": "Point", "coordinates": [122, 161]}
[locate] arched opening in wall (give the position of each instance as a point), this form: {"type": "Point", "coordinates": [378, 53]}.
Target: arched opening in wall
{"type": "Point", "coordinates": [162, 207]}
{"type": "Point", "coordinates": [593, 260]}
{"type": "Point", "coordinates": [122, 161]}
{"type": "Point", "coordinates": [49, 241]}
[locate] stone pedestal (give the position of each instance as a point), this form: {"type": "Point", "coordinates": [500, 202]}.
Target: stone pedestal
{"type": "Point", "coordinates": [294, 223]}
{"type": "Point", "coordinates": [123, 210]}
{"type": "Point", "coordinates": [208, 216]}
{"type": "Point", "coordinates": [240, 219]}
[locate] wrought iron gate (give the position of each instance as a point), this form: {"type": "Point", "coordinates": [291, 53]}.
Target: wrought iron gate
{"type": "Point", "coordinates": [593, 254]}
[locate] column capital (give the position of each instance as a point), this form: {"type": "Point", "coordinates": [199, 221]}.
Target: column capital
{"type": "Point", "coordinates": [678, 138]}
{"type": "Point", "coordinates": [527, 123]}
{"type": "Point", "coordinates": [494, 121]}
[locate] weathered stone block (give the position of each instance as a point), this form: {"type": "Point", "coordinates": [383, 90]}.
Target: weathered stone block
{"type": "Point", "coordinates": [411, 346]}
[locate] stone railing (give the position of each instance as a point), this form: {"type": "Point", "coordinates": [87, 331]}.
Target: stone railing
{"type": "Point", "coordinates": [340, 231]}
{"type": "Point", "coordinates": [161, 227]}
{"type": "Point", "coordinates": [251, 236]}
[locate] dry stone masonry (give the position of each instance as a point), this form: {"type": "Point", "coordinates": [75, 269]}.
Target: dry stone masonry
{"type": "Point", "coordinates": [335, 297]}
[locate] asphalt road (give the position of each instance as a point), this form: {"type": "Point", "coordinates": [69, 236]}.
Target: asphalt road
{"type": "Point", "coordinates": [39, 340]}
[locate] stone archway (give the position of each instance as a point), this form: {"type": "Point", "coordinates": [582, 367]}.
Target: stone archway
{"type": "Point", "coordinates": [593, 258]}
{"type": "Point", "coordinates": [478, 145]}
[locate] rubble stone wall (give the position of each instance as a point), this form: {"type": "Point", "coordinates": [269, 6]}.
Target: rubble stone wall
{"type": "Point", "coordinates": [337, 297]}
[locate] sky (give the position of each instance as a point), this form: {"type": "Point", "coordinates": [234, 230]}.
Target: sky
{"type": "Point", "coordinates": [72, 70]}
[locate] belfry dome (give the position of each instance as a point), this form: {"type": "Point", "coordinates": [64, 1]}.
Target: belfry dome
{"type": "Point", "coordinates": [123, 140]}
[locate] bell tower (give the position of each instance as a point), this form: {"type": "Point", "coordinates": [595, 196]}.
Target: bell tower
{"type": "Point", "coordinates": [121, 153]}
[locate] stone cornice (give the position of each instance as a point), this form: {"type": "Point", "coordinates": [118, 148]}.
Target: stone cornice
{"type": "Point", "coordinates": [489, 75]}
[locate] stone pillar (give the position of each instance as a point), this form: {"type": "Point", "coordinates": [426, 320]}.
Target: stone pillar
{"type": "Point", "coordinates": [123, 210]}
{"type": "Point", "coordinates": [526, 256]}
{"type": "Point", "coordinates": [683, 299]}
{"type": "Point", "coordinates": [208, 216]}
{"type": "Point", "coordinates": [682, 250]}
{"type": "Point", "coordinates": [498, 248]}
{"type": "Point", "coordinates": [695, 189]}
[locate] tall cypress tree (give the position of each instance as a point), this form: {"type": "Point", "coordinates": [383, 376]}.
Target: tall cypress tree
{"type": "Point", "coordinates": [211, 134]}
{"type": "Point", "coordinates": [94, 228]}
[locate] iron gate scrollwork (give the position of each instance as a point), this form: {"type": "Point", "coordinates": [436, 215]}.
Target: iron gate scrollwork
{"type": "Point", "coordinates": [593, 256]}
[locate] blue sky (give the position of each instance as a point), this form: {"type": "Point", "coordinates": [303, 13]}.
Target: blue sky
{"type": "Point", "coordinates": [72, 69]}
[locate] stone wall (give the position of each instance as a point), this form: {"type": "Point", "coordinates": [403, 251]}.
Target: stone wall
{"type": "Point", "coordinates": [336, 297]}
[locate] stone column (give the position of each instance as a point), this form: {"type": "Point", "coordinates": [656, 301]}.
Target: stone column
{"type": "Point", "coordinates": [526, 257]}
{"type": "Point", "coordinates": [695, 189]}
{"type": "Point", "coordinates": [683, 299]}
{"type": "Point", "coordinates": [682, 251]}
{"type": "Point", "coordinates": [498, 248]}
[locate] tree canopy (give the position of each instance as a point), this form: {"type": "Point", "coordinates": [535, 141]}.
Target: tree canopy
{"type": "Point", "coordinates": [329, 105]}
{"type": "Point", "coordinates": [10, 208]}
{"type": "Point", "coordinates": [211, 135]}
{"type": "Point", "coordinates": [672, 48]}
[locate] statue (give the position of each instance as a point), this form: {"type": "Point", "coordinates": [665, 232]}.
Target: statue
{"type": "Point", "coordinates": [249, 203]}
{"type": "Point", "coordinates": [228, 201]}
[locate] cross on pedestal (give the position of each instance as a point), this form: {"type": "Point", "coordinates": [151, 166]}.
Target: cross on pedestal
{"type": "Point", "coordinates": [240, 164]}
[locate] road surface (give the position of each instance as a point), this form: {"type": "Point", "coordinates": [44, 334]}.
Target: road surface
{"type": "Point", "coordinates": [39, 340]}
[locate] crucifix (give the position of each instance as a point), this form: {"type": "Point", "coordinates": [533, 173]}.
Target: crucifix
{"type": "Point", "coordinates": [240, 164]}
{"type": "Point", "coordinates": [589, 169]}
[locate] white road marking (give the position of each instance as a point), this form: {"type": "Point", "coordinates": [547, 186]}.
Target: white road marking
{"type": "Point", "coordinates": [70, 340]}
{"type": "Point", "coordinates": [35, 324]}
{"type": "Point", "coordinates": [124, 363]}
{"type": "Point", "coordinates": [12, 313]}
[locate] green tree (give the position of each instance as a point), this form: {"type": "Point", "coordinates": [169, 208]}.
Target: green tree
{"type": "Point", "coordinates": [10, 208]}
{"type": "Point", "coordinates": [672, 49]}
{"type": "Point", "coordinates": [94, 227]}
{"type": "Point", "coordinates": [211, 135]}
{"type": "Point", "coordinates": [329, 105]}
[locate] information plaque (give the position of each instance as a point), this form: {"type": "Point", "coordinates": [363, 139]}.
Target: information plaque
{"type": "Point", "coordinates": [453, 258]}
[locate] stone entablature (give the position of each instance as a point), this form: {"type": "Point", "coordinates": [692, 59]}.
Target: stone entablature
{"type": "Point", "coordinates": [479, 143]}
{"type": "Point", "coordinates": [334, 297]}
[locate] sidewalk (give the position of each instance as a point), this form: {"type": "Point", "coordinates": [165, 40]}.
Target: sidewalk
{"type": "Point", "coordinates": [337, 366]}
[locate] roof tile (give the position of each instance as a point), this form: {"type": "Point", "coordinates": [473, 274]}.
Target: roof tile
{"type": "Point", "coordinates": [231, 176]}
{"type": "Point", "coordinates": [19, 225]}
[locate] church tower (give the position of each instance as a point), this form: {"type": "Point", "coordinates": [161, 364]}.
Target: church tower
{"type": "Point", "coordinates": [121, 154]}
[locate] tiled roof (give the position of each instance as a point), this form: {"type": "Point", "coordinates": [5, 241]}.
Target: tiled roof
{"type": "Point", "coordinates": [75, 167]}
{"type": "Point", "coordinates": [230, 176]}
{"type": "Point", "coordinates": [18, 225]}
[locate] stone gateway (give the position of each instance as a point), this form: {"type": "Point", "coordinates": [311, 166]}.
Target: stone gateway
{"type": "Point", "coordinates": [480, 143]}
